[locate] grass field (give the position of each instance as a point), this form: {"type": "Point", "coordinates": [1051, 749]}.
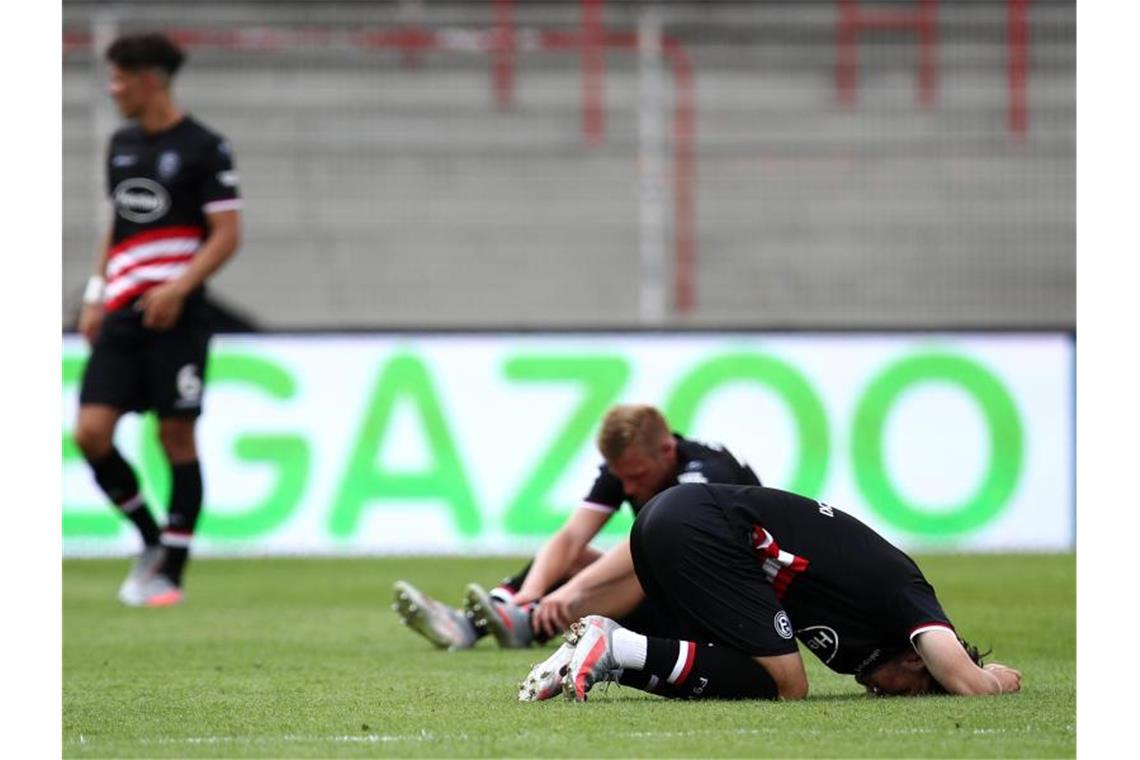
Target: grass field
{"type": "Point", "coordinates": [303, 657]}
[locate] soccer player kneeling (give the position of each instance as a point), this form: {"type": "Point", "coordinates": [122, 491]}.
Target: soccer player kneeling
{"type": "Point", "coordinates": [745, 571]}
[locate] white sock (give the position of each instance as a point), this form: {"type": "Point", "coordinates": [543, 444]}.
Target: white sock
{"type": "Point", "coordinates": [630, 648]}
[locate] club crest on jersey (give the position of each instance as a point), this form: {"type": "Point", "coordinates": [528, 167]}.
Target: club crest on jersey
{"type": "Point", "coordinates": [140, 200]}
{"type": "Point", "coordinates": [783, 625]}
{"type": "Point", "coordinates": [168, 165]}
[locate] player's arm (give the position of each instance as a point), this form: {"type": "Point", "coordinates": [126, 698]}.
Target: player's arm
{"type": "Point", "coordinates": [91, 317]}
{"type": "Point", "coordinates": [952, 667]}
{"type": "Point", "coordinates": [608, 586]}
{"type": "Point", "coordinates": [557, 555]}
{"type": "Point", "coordinates": [163, 304]}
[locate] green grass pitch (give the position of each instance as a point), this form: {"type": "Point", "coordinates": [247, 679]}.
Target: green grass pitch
{"type": "Point", "coordinates": [304, 658]}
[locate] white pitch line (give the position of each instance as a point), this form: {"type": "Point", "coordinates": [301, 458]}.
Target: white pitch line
{"type": "Point", "coordinates": [292, 738]}
{"type": "Point", "coordinates": [424, 736]}
{"type": "Point", "coordinates": [817, 732]}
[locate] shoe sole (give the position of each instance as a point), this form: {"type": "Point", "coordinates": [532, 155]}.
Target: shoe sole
{"type": "Point", "coordinates": [409, 604]}
{"type": "Point", "coordinates": [483, 612]}
{"type": "Point", "coordinates": [168, 599]}
{"type": "Point", "coordinates": [537, 686]}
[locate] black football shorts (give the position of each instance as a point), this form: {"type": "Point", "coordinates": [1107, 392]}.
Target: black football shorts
{"type": "Point", "coordinates": [691, 561]}
{"type": "Point", "coordinates": [137, 369]}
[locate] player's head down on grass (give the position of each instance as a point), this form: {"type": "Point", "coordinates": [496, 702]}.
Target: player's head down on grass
{"type": "Point", "coordinates": [905, 674]}
{"type": "Point", "coordinates": [745, 575]}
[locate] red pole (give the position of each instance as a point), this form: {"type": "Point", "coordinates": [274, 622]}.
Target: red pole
{"type": "Point", "coordinates": [503, 71]}
{"type": "Point", "coordinates": [928, 53]}
{"type": "Point", "coordinates": [846, 53]}
{"type": "Point", "coordinates": [1018, 30]}
{"type": "Point", "coordinates": [684, 179]}
{"type": "Point", "coordinates": [593, 73]}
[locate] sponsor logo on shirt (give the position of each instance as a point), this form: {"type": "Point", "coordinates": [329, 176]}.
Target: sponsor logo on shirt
{"type": "Point", "coordinates": [820, 639]}
{"type": "Point", "coordinates": [868, 661]}
{"type": "Point", "coordinates": [140, 200]}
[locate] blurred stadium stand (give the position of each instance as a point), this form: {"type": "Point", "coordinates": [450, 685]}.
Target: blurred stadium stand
{"type": "Point", "coordinates": [392, 188]}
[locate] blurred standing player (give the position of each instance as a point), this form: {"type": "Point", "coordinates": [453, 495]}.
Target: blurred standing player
{"type": "Point", "coordinates": [174, 191]}
{"type": "Point", "coordinates": [568, 578]}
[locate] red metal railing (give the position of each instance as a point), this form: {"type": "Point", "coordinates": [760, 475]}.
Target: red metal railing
{"type": "Point", "coordinates": [593, 72]}
{"type": "Point", "coordinates": [502, 48]}
{"type": "Point", "coordinates": [922, 20]}
{"type": "Point", "coordinates": [1018, 31]}
{"type": "Point", "coordinates": [855, 19]}
{"type": "Point", "coordinates": [503, 76]}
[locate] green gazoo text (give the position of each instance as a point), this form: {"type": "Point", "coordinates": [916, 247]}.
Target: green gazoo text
{"type": "Point", "coordinates": [405, 380]}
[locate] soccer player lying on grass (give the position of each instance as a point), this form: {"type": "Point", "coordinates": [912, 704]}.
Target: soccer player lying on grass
{"type": "Point", "coordinates": [642, 458]}
{"type": "Point", "coordinates": [745, 571]}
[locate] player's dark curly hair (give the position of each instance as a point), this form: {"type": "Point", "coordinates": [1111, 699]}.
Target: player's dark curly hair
{"type": "Point", "coordinates": [147, 50]}
{"type": "Point", "coordinates": [975, 655]}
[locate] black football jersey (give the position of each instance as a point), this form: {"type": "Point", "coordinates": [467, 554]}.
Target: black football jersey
{"type": "Point", "coordinates": [697, 462]}
{"type": "Point", "coordinates": [853, 598]}
{"type": "Point", "coordinates": [161, 186]}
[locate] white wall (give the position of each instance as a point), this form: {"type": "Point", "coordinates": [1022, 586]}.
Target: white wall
{"type": "Point", "coordinates": [480, 443]}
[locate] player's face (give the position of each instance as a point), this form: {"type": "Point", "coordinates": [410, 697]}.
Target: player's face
{"type": "Point", "coordinates": [643, 474]}
{"type": "Point", "coordinates": [896, 679]}
{"type": "Point", "coordinates": [131, 90]}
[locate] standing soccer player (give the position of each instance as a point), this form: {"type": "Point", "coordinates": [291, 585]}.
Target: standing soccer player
{"type": "Point", "coordinates": [175, 196]}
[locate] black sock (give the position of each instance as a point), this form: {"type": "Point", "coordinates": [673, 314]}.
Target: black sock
{"type": "Point", "coordinates": [687, 670]}
{"type": "Point", "coordinates": [117, 480]}
{"type": "Point", "coordinates": [515, 582]}
{"type": "Point", "coordinates": [185, 505]}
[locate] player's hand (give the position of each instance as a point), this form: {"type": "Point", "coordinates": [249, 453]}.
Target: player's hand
{"type": "Point", "coordinates": [161, 306]}
{"type": "Point", "coordinates": [555, 612]}
{"type": "Point", "coordinates": [1008, 678]}
{"type": "Point", "coordinates": [524, 598]}
{"type": "Point", "coordinates": [90, 320]}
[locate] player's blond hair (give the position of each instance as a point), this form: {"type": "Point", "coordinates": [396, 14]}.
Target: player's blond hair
{"type": "Point", "coordinates": [627, 425]}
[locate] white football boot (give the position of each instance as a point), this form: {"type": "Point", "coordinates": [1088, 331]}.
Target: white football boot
{"type": "Point", "coordinates": [445, 627]}
{"type": "Point", "coordinates": [545, 679]}
{"type": "Point", "coordinates": [507, 622]}
{"type": "Point", "coordinates": [160, 591]}
{"type": "Point", "coordinates": [145, 566]}
{"type": "Point", "coordinates": [593, 659]}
